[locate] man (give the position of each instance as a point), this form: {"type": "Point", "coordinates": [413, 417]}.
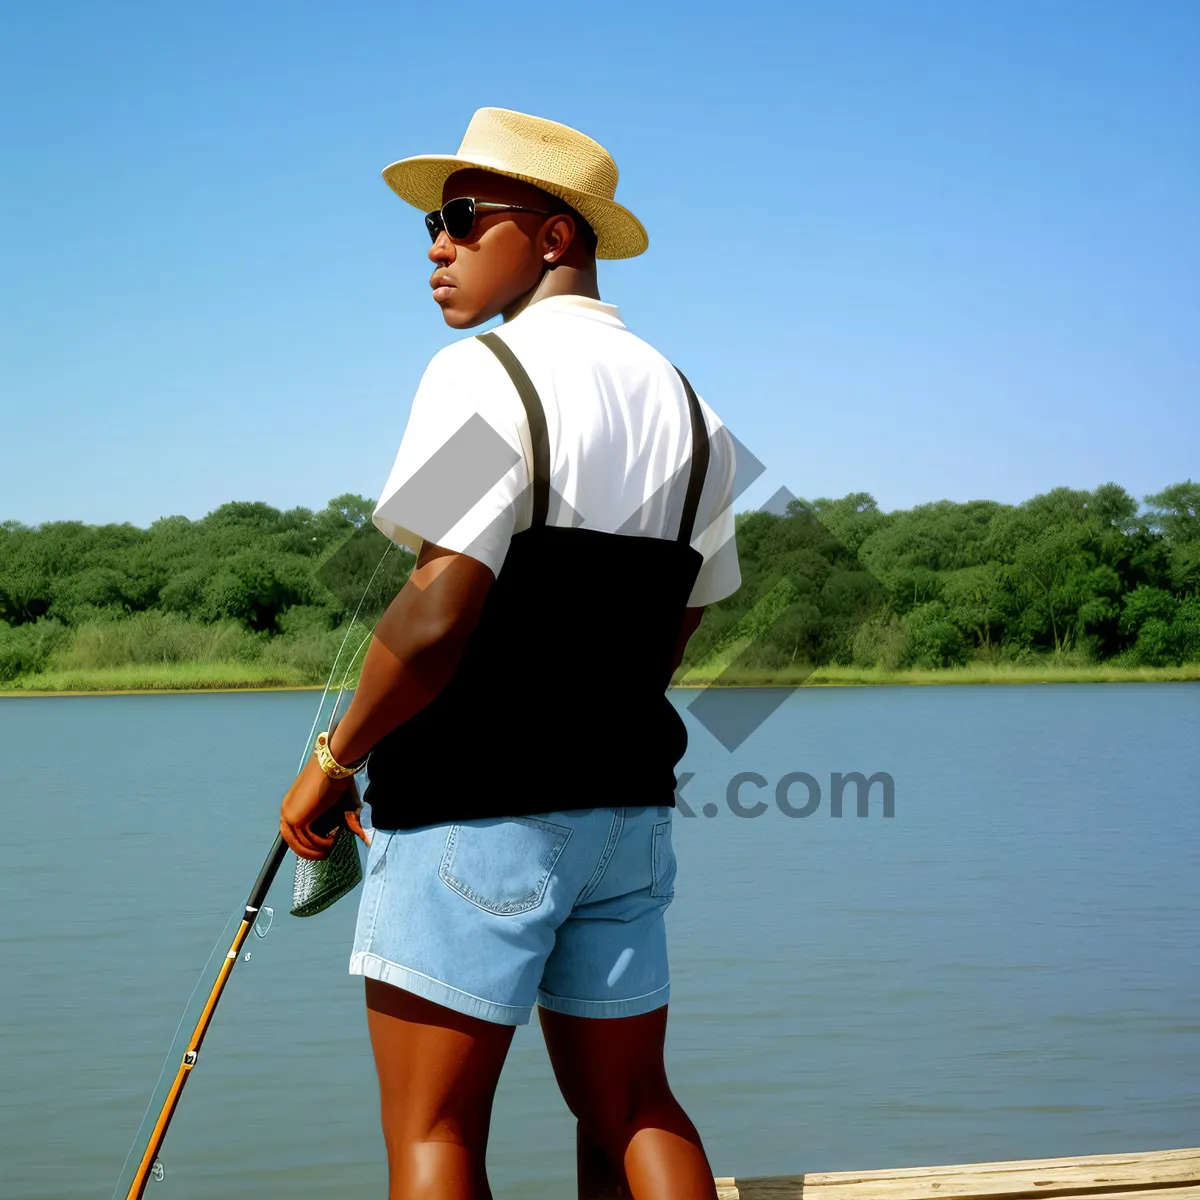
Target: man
{"type": "Point", "coordinates": [569, 498]}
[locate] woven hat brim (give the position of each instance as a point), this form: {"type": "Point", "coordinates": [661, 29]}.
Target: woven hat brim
{"type": "Point", "coordinates": [419, 181]}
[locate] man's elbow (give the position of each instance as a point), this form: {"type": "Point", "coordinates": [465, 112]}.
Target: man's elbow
{"type": "Point", "coordinates": [423, 624]}
{"type": "Point", "coordinates": [447, 610]}
{"type": "Point", "coordinates": [449, 628]}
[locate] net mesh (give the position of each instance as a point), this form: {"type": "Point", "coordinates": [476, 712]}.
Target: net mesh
{"type": "Point", "coordinates": [318, 883]}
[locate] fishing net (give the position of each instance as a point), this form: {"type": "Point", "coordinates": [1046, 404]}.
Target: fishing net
{"type": "Point", "coordinates": [318, 883]}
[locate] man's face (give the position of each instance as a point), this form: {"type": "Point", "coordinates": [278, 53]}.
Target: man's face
{"type": "Point", "coordinates": [500, 260]}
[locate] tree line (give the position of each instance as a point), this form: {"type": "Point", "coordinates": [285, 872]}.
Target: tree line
{"type": "Point", "coordinates": [1089, 574]}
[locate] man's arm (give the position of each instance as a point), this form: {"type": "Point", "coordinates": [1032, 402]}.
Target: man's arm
{"type": "Point", "coordinates": [417, 646]}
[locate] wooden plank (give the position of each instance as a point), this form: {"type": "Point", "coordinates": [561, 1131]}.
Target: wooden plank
{"type": "Point", "coordinates": [784, 1188]}
{"type": "Point", "coordinates": [1176, 1173]}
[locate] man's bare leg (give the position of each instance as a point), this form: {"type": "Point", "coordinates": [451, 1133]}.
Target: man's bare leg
{"type": "Point", "coordinates": [612, 1076]}
{"type": "Point", "coordinates": [598, 1179]}
{"type": "Point", "coordinates": [438, 1071]}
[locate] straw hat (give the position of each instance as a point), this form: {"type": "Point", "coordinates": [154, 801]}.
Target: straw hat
{"type": "Point", "coordinates": [554, 157]}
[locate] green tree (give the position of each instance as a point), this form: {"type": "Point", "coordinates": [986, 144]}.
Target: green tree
{"type": "Point", "coordinates": [1175, 514]}
{"type": "Point", "coordinates": [1167, 629]}
{"type": "Point", "coordinates": [975, 601]}
{"type": "Point", "coordinates": [79, 594]}
{"type": "Point", "coordinates": [255, 589]}
{"type": "Point", "coordinates": [934, 639]}
{"type": "Point", "coordinates": [882, 642]}
{"type": "Point", "coordinates": [1064, 589]}
{"type": "Point", "coordinates": [1175, 511]}
{"type": "Point", "coordinates": [851, 520]}
{"type": "Point", "coordinates": [26, 648]}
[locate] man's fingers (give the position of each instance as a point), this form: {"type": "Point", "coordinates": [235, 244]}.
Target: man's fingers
{"type": "Point", "coordinates": [300, 848]}
{"type": "Point", "coordinates": [293, 844]}
{"type": "Point", "coordinates": [355, 825]}
{"type": "Point", "coordinates": [304, 842]}
{"type": "Point", "coordinates": [319, 845]}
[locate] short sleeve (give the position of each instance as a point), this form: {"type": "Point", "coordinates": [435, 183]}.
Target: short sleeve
{"type": "Point", "coordinates": [720, 576]}
{"type": "Point", "coordinates": [460, 478]}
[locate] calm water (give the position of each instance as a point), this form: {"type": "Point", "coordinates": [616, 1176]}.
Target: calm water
{"type": "Point", "coordinates": [1008, 967]}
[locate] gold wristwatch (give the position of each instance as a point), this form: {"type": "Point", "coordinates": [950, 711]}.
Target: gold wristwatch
{"type": "Point", "coordinates": [330, 765]}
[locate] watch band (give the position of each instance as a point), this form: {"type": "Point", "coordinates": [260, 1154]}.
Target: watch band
{"type": "Point", "coordinates": [329, 764]}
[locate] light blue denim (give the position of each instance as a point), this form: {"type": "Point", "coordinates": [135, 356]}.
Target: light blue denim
{"type": "Point", "coordinates": [489, 916]}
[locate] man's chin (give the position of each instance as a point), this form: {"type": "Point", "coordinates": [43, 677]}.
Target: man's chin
{"type": "Point", "coordinates": [458, 317]}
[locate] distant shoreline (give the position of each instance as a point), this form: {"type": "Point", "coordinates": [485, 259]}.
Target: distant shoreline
{"type": "Point", "coordinates": [174, 680]}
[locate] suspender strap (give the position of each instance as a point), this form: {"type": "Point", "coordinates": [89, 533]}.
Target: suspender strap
{"type": "Point", "coordinates": [540, 439]}
{"type": "Point", "coordinates": [691, 501]}
{"type": "Point", "coordinates": [535, 415]}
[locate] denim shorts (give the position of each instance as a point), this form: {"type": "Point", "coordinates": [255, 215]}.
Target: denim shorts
{"type": "Point", "coordinates": [488, 916]}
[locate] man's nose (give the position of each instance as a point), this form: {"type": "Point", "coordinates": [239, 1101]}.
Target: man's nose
{"type": "Point", "coordinates": [442, 250]}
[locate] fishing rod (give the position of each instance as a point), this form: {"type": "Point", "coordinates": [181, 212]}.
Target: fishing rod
{"type": "Point", "coordinates": [149, 1167]}
{"type": "Point", "coordinates": [258, 893]}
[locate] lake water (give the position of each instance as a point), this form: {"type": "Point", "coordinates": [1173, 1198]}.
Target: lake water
{"type": "Point", "coordinates": [1008, 967]}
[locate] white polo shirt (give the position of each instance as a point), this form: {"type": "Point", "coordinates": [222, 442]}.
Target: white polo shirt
{"type": "Point", "coordinates": [620, 442]}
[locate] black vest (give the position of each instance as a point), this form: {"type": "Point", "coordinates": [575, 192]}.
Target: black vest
{"type": "Point", "coordinates": [559, 701]}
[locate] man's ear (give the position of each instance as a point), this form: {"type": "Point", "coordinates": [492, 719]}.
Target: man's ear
{"type": "Point", "coordinates": [557, 235]}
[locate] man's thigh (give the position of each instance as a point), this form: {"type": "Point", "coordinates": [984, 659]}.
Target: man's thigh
{"type": "Point", "coordinates": [438, 1068]}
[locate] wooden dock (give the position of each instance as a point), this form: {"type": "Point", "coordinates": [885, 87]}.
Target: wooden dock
{"type": "Point", "coordinates": [1152, 1175]}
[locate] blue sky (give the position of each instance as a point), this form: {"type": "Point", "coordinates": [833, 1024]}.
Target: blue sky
{"type": "Point", "coordinates": [925, 250]}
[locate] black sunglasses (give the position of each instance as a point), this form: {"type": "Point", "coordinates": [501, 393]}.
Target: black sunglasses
{"type": "Point", "coordinates": [457, 217]}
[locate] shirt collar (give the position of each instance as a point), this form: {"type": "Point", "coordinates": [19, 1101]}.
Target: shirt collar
{"type": "Point", "coordinates": [580, 306]}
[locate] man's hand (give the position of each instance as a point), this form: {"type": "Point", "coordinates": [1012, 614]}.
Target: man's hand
{"type": "Point", "coordinates": [312, 796]}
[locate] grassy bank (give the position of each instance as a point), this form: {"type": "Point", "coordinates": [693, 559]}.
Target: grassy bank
{"type": "Point", "coordinates": [159, 677]}
{"type": "Point", "coordinates": [238, 676]}
{"type": "Point", "coordinates": [160, 652]}
{"type": "Point", "coordinates": [972, 673]}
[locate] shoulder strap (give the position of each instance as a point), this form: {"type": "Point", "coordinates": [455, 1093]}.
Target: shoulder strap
{"type": "Point", "coordinates": [691, 501]}
{"type": "Point", "coordinates": [536, 416]}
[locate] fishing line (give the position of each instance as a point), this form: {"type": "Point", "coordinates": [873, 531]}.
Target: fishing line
{"type": "Point", "coordinates": [333, 670]}
{"type": "Point", "coordinates": [174, 1038]}
{"type": "Point", "coordinates": [267, 873]}
{"type": "Point", "coordinates": [350, 667]}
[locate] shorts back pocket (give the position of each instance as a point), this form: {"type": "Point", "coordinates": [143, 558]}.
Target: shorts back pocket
{"type": "Point", "coordinates": [502, 865]}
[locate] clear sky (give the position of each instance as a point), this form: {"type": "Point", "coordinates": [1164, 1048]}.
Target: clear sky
{"type": "Point", "coordinates": [922, 249]}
